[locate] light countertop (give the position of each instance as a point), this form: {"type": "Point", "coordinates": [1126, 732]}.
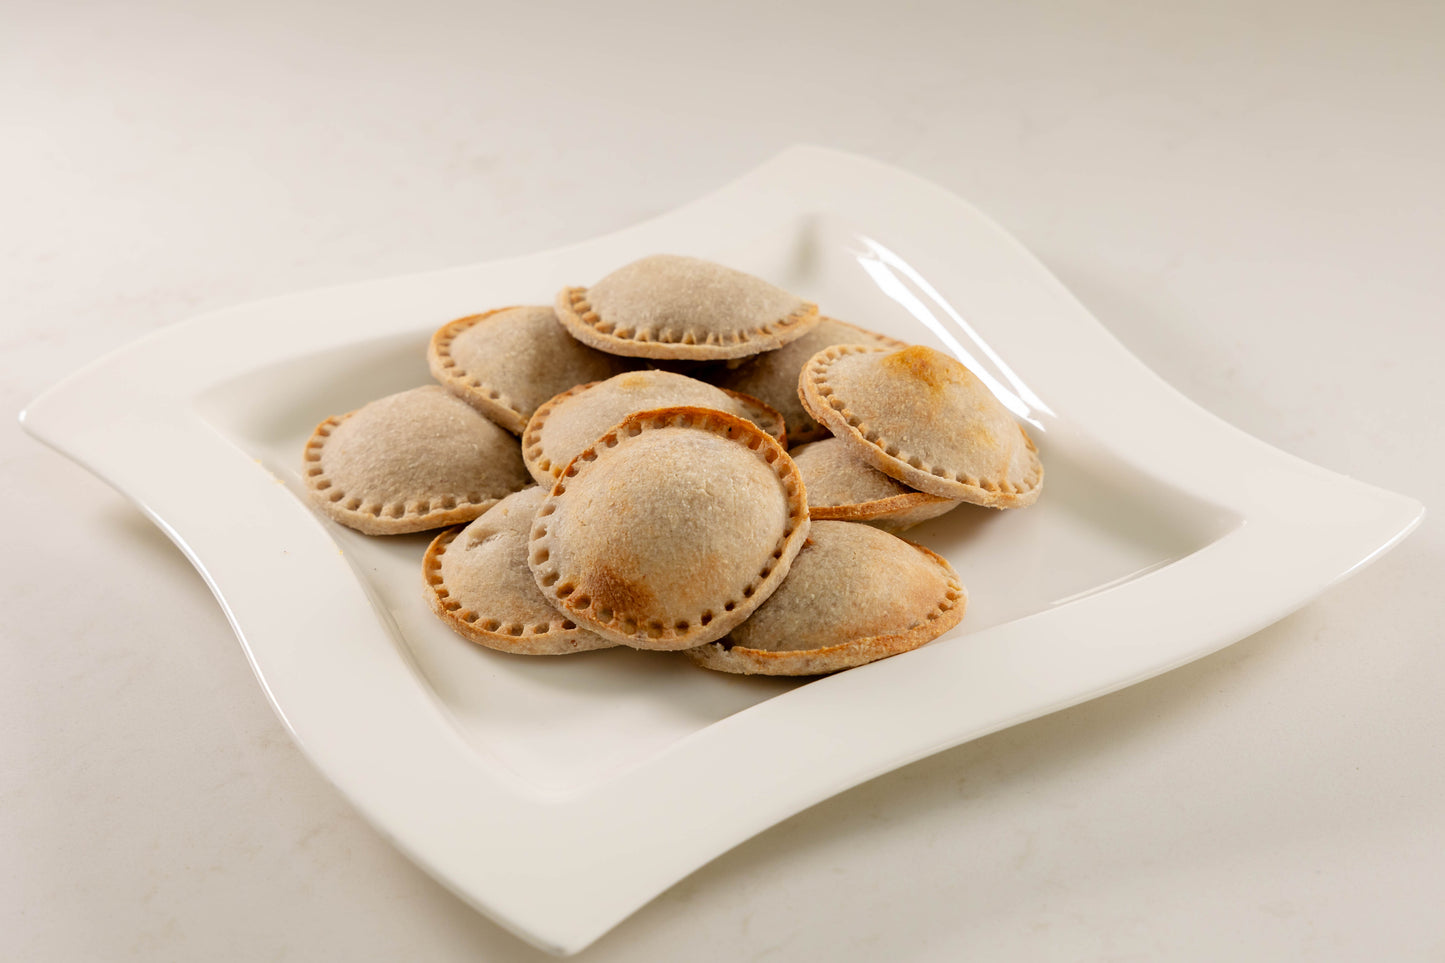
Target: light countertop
{"type": "Point", "coordinates": [1250, 199]}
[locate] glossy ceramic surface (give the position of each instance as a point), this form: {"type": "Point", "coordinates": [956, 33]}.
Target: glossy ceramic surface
{"type": "Point", "coordinates": [557, 796]}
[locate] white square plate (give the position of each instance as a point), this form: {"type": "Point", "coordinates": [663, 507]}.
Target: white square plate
{"type": "Point", "coordinates": [559, 795]}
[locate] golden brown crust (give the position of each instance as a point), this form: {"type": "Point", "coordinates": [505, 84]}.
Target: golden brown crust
{"type": "Point", "coordinates": [738, 316]}
{"type": "Point", "coordinates": [523, 624]}
{"type": "Point", "coordinates": [945, 612]}
{"type": "Point", "coordinates": [671, 529]}
{"type": "Point", "coordinates": [545, 462]}
{"type": "Point", "coordinates": [364, 484]}
{"type": "Point", "coordinates": [980, 455]}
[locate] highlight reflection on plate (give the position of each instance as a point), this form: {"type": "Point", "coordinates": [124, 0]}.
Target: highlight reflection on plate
{"type": "Point", "coordinates": [558, 795]}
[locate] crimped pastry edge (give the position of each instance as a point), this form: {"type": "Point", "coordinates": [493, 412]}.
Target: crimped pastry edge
{"type": "Point", "coordinates": [533, 454]}
{"type": "Point", "coordinates": [556, 639]}
{"type": "Point", "coordinates": [714, 620]}
{"type": "Point", "coordinates": [740, 660]}
{"type": "Point", "coordinates": [895, 513]}
{"type": "Point", "coordinates": [484, 397]}
{"type": "Point", "coordinates": [584, 324]}
{"type": "Point", "coordinates": [352, 510]}
{"type": "Point", "coordinates": [845, 426]}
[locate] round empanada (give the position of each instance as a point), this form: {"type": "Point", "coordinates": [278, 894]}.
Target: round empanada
{"type": "Point", "coordinates": [855, 594]}
{"type": "Point", "coordinates": [506, 362]}
{"type": "Point", "coordinates": [409, 462]}
{"type": "Point", "coordinates": [921, 417]}
{"type": "Point", "coordinates": [666, 306]}
{"type": "Point", "coordinates": [478, 582]}
{"type": "Point", "coordinates": [670, 529]}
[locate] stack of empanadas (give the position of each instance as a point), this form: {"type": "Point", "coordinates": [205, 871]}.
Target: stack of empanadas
{"type": "Point", "coordinates": [668, 511]}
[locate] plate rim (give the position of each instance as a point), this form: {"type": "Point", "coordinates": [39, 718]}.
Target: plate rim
{"type": "Point", "coordinates": [561, 871]}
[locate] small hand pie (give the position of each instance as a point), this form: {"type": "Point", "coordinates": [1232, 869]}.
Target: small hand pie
{"type": "Point", "coordinates": [410, 462]}
{"type": "Point", "coordinates": [480, 585]}
{"type": "Point", "coordinates": [670, 529]}
{"type": "Point", "coordinates": [772, 377]}
{"type": "Point", "coordinates": [843, 487]}
{"type": "Point", "coordinates": [505, 363]}
{"type": "Point", "coordinates": [855, 594]}
{"type": "Point", "coordinates": [572, 421]}
{"type": "Point", "coordinates": [667, 306]}
{"type": "Point", "coordinates": [919, 416]}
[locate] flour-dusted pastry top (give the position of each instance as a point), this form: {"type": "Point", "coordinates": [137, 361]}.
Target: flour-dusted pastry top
{"type": "Point", "coordinates": [506, 362]}
{"type": "Point", "coordinates": [668, 306]}
{"type": "Point", "coordinates": [478, 582]}
{"type": "Point", "coordinates": [854, 595]}
{"type": "Point", "coordinates": [410, 462]}
{"type": "Point", "coordinates": [772, 377]}
{"type": "Point", "coordinates": [923, 418]}
{"type": "Point", "coordinates": [670, 529]}
{"type": "Point", "coordinates": [565, 425]}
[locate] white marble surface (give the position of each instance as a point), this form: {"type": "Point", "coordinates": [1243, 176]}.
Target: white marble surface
{"type": "Point", "coordinates": [1249, 199]}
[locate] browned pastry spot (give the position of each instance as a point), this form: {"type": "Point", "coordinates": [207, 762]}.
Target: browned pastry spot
{"type": "Point", "coordinates": [670, 529]}
{"type": "Point", "coordinates": [921, 417]}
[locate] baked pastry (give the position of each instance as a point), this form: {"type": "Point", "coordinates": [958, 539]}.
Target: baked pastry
{"type": "Point", "coordinates": [666, 306]}
{"type": "Point", "coordinates": [478, 582]}
{"type": "Point", "coordinates": [772, 377]}
{"type": "Point", "coordinates": [572, 421]}
{"type": "Point", "coordinates": [921, 417]}
{"type": "Point", "coordinates": [855, 594]}
{"type": "Point", "coordinates": [670, 529]}
{"type": "Point", "coordinates": [843, 487]}
{"type": "Point", "coordinates": [505, 363]}
{"type": "Point", "coordinates": [409, 462]}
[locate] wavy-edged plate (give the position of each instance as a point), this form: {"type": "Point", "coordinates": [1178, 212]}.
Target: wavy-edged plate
{"type": "Point", "coordinates": [559, 795]}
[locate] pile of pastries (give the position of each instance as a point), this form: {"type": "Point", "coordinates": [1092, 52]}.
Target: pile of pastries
{"type": "Point", "coordinates": [679, 457]}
